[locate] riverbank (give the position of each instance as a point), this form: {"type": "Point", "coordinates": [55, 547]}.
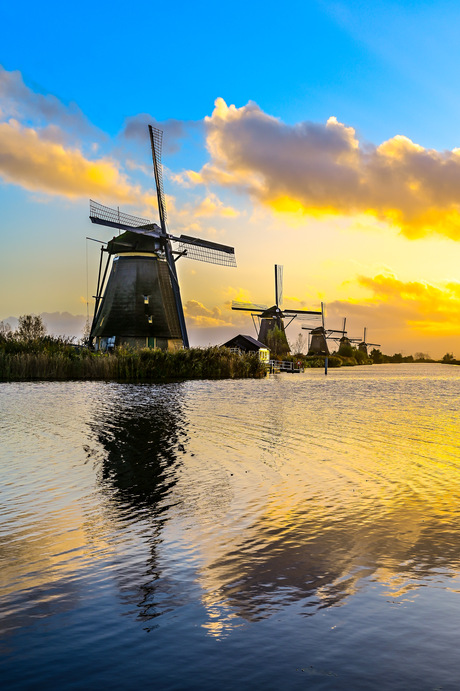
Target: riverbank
{"type": "Point", "coordinates": [60, 361]}
{"type": "Point", "coordinates": [55, 359]}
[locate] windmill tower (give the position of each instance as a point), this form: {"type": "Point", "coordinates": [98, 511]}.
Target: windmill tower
{"type": "Point", "coordinates": [271, 318]}
{"type": "Point", "coordinates": [363, 346]}
{"type": "Point", "coordinates": [140, 303]}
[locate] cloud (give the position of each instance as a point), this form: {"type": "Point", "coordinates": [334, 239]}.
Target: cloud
{"type": "Point", "coordinates": [422, 306]}
{"type": "Point", "coordinates": [19, 101]}
{"type": "Point", "coordinates": [212, 206]}
{"type": "Point", "coordinates": [199, 315]}
{"type": "Point", "coordinates": [394, 304]}
{"type": "Point", "coordinates": [319, 169]}
{"type": "Point", "coordinates": [135, 129]}
{"type": "Point", "coordinates": [38, 164]}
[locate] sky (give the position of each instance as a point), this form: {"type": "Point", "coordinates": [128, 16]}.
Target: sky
{"type": "Point", "coordinates": [322, 136]}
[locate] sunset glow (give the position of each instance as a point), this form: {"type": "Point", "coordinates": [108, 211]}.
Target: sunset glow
{"type": "Point", "coordinates": [356, 197]}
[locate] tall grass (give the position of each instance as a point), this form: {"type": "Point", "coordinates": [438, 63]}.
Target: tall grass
{"type": "Point", "coordinates": [61, 361]}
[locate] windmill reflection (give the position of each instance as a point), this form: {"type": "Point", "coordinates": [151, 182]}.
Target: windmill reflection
{"type": "Point", "coordinates": [141, 437]}
{"type": "Point", "coordinates": [142, 433]}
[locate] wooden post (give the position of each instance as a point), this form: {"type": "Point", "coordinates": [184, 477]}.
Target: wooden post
{"type": "Point", "coordinates": [325, 365]}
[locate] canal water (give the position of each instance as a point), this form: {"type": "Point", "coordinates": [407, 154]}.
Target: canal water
{"type": "Point", "coordinates": [299, 532]}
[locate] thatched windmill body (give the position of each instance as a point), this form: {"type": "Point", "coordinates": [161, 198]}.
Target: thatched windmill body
{"type": "Point", "coordinates": [140, 303]}
{"type": "Point", "coordinates": [272, 319]}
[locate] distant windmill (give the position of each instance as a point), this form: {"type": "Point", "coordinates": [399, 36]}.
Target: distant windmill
{"type": "Point", "coordinates": [319, 336]}
{"type": "Point", "coordinates": [363, 346]}
{"type": "Point", "coordinates": [345, 342]}
{"type": "Point", "coordinates": [140, 304]}
{"type": "Point", "coordinates": [273, 317]}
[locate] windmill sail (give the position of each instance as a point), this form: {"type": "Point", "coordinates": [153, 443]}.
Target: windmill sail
{"type": "Point", "coordinates": [156, 141]}
{"type": "Point", "coordinates": [278, 285]}
{"type": "Point", "coordinates": [248, 306]}
{"type": "Point", "coordinates": [186, 245]}
{"type": "Point", "coordinates": [205, 251]}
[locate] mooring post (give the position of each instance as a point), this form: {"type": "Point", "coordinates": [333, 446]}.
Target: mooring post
{"type": "Point", "coordinates": [325, 365]}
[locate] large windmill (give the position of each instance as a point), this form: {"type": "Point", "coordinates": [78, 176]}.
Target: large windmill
{"type": "Point", "coordinates": [273, 317]}
{"type": "Point", "coordinates": [140, 304]}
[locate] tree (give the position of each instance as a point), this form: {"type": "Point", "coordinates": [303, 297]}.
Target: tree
{"type": "Point", "coordinates": [277, 341]}
{"type": "Point", "coordinates": [346, 349]}
{"type": "Point", "coordinates": [5, 330]}
{"type": "Point", "coordinates": [86, 333]}
{"type": "Point", "coordinates": [298, 348]}
{"type": "Point", "coordinates": [448, 357]}
{"type": "Point", "coordinates": [30, 328]}
{"type": "Point", "coordinates": [377, 356]}
{"type": "Point", "coordinates": [422, 356]}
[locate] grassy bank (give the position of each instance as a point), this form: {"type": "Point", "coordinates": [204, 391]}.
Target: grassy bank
{"type": "Point", "coordinates": [51, 359]}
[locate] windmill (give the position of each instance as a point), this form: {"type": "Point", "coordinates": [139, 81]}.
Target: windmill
{"type": "Point", "coordinates": [319, 336]}
{"type": "Point", "coordinates": [273, 317]}
{"type": "Point", "coordinates": [140, 303]}
{"type": "Point", "coordinates": [363, 346]}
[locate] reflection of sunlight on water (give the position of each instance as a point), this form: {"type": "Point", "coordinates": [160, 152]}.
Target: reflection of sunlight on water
{"type": "Point", "coordinates": [318, 490]}
{"type": "Point", "coordinates": [220, 619]}
{"type": "Point", "coordinates": [249, 496]}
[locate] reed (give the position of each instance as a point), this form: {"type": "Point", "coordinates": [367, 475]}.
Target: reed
{"type": "Point", "coordinates": [62, 361]}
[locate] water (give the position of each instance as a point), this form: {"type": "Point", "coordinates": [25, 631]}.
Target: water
{"type": "Point", "coordinates": [299, 532]}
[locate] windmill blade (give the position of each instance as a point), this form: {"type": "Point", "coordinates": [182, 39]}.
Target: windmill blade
{"type": "Point", "coordinates": [364, 338]}
{"type": "Point", "coordinates": [156, 140]}
{"type": "Point", "coordinates": [303, 312]}
{"type": "Point", "coordinates": [205, 251]}
{"type": "Point", "coordinates": [114, 218]}
{"type": "Point", "coordinates": [248, 306]}
{"type": "Point", "coordinates": [278, 285]}
{"type": "Point", "coordinates": [344, 325]}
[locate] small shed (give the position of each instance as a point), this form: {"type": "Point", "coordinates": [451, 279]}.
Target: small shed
{"type": "Point", "coordinates": [247, 344]}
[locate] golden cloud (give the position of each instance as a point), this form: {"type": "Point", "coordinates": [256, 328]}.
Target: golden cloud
{"type": "Point", "coordinates": [41, 165]}
{"type": "Point", "coordinates": [422, 306]}
{"type": "Point", "coordinates": [213, 206]}
{"type": "Point", "coordinates": [321, 169]}
{"type": "Point", "coordinates": [201, 316]}
{"type": "Point", "coordinates": [395, 305]}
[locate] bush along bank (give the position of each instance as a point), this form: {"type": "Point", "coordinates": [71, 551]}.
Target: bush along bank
{"type": "Point", "coordinates": [54, 359]}
{"type": "Point", "coordinates": [334, 360]}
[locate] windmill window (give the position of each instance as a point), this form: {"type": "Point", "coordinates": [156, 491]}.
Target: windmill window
{"type": "Point", "coordinates": [146, 299]}
{"type": "Point", "coordinates": [150, 319]}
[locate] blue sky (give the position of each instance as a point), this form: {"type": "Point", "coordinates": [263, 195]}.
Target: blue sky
{"type": "Point", "coordinates": [383, 69]}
